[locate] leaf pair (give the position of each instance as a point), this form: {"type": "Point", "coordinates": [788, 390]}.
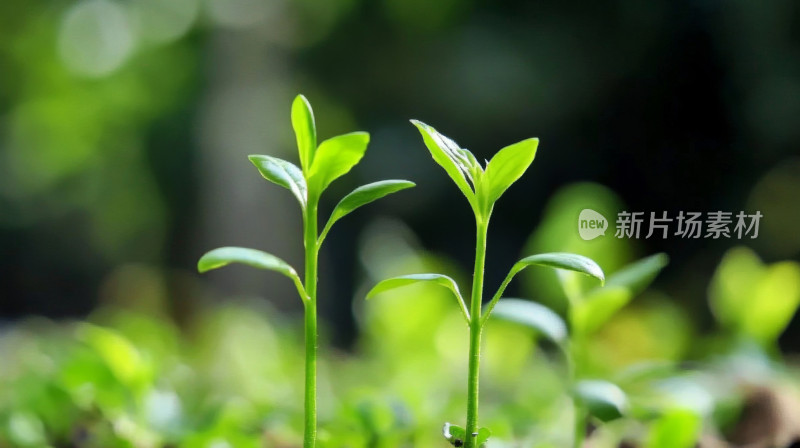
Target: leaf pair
{"type": "Point", "coordinates": [570, 262]}
{"type": "Point", "coordinates": [321, 165]}
{"type": "Point", "coordinates": [457, 436]}
{"type": "Point", "coordinates": [482, 187]}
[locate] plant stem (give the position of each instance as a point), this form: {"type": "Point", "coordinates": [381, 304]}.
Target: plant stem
{"type": "Point", "coordinates": [475, 328]}
{"type": "Point", "coordinates": [311, 257]}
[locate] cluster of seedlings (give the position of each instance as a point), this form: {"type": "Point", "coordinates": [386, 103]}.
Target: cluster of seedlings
{"type": "Point", "coordinates": [482, 186]}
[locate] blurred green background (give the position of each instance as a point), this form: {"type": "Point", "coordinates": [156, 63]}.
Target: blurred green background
{"type": "Point", "coordinates": [125, 126]}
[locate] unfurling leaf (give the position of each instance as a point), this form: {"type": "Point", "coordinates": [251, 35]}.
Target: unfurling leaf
{"type": "Point", "coordinates": [454, 160]}
{"type": "Point", "coordinates": [305, 130]}
{"type": "Point", "coordinates": [283, 173]}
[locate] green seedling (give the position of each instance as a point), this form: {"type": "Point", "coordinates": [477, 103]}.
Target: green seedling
{"type": "Point", "coordinates": [586, 313]}
{"type": "Point", "coordinates": [754, 301]}
{"type": "Point", "coordinates": [482, 186]}
{"type": "Point", "coordinates": [319, 166]}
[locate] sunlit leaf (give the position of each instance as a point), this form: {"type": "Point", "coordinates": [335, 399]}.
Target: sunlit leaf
{"type": "Point", "coordinates": [483, 436]}
{"type": "Point", "coordinates": [751, 298]}
{"type": "Point", "coordinates": [637, 275]}
{"type": "Point", "coordinates": [119, 354]}
{"type": "Point", "coordinates": [557, 260]}
{"type": "Point", "coordinates": [405, 280]}
{"type": "Point", "coordinates": [508, 165]}
{"type": "Point", "coordinates": [305, 130]}
{"type": "Point", "coordinates": [604, 400]}
{"type": "Point", "coordinates": [590, 313]}
{"type": "Point", "coordinates": [450, 157]}
{"type": "Point", "coordinates": [283, 173]}
{"type": "Point", "coordinates": [676, 429]}
{"type": "Point", "coordinates": [335, 157]}
{"type": "Point", "coordinates": [361, 196]}
{"type": "Point", "coordinates": [533, 315]}
{"type": "Point", "coordinates": [224, 256]}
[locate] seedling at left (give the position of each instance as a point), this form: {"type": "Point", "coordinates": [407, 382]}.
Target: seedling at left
{"type": "Point", "coordinates": [319, 166]}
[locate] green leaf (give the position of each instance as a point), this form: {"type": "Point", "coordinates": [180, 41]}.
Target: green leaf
{"type": "Point", "coordinates": [363, 195]}
{"type": "Point", "coordinates": [305, 130]}
{"type": "Point", "coordinates": [483, 436]}
{"type": "Point", "coordinates": [508, 165]}
{"type": "Point", "coordinates": [119, 354]}
{"type": "Point", "coordinates": [639, 274]}
{"type": "Point", "coordinates": [405, 280]}
{"type": "Point", "coordinates": [590, 313]}
{"type": "Point", "coordinates": [224, 256]}
{"type": "Point", "coordinates": [676, 429]}
{"type": "Point", "coordinates": [283, 173]}
{"type": "Point", "coordinates": [604, 400]}
{"type": "Point", "coordinates": [335, 157]}
{"type": "Point", "coordinates": [454, 434]}
{"type": "Point", "coordinates": [533, 315]}
{"type": "Point", "coordinates": [557, 260]}
{"type": "Point", "coordinates": [753, 299]}
{"type": "Point", "coordinates": [452, 158]}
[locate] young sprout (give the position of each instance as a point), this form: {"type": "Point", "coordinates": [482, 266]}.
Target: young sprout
{"type": "Point", "coordinates": [586, 313]}
{"type": "Point", "coordinates": [482, 186]}
{"type": "Point", "coordinates": [319, 166]}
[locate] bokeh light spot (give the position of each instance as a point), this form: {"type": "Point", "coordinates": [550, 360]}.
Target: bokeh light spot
{"type": "Point", "coordinates": [95, 38]}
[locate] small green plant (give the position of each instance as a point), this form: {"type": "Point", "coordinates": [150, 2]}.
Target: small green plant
{"type": "Point", "coordinates": [587, 311]}
{"type": "Point", "coordinates": [319, 166]}
{"type": "Point", "coordinates": [482, 186]}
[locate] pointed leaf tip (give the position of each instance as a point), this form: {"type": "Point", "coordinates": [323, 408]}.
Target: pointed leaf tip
{"type": "Point", "coordinates": [305, 130]}
{"type": "Point", "coordinates": [562, 260]}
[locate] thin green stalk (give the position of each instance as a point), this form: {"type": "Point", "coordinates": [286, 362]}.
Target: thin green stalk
{"type": "Point", "coordinates": [475, 327]}
{"type": "Point", "coordinates": [311, 256]}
